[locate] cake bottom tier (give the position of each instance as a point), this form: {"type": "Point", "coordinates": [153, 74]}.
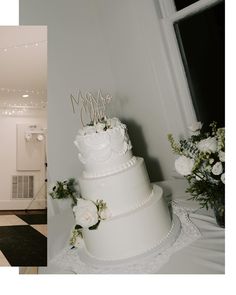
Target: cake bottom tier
{"type": "Point", "coordinates": [130, 234]}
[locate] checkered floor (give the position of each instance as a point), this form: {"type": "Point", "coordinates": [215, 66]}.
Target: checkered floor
{"type": "Point", "coordinates": [23, 239]}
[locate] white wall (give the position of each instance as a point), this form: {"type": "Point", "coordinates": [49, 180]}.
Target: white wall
{"type": "Point", "coordinates": [77, 59]}
{"type": "Point", "coordinates": [116, 46]}
{"type": "Point", "coordinates": [145, 85]}
{"type": "Point", "coordinates": [8, 144]}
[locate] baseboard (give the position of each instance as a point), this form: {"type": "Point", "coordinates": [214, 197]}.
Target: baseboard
{"type": "Point", "coordinates": [22, 204]}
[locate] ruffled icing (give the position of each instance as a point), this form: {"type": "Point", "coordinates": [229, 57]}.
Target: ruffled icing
{"type": "Point", "coordinates": [104, 145]}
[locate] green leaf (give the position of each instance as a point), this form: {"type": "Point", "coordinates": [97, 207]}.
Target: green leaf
{"type": "Point", "coordinates": [78, 226]}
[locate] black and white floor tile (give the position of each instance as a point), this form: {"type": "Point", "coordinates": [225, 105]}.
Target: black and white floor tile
{"type": "Point", "coordinates": [23, 239]}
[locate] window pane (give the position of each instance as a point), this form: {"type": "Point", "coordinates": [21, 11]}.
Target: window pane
{"type": "Point", "coordinates": [180, 4]}
{"type": "Point", "coordinates": [201, 42]}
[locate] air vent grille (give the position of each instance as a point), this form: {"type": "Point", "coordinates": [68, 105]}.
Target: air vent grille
{"type": "Point", "coordinates": [22, 186]}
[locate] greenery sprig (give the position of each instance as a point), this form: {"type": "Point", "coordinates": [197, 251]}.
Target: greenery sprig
{"type": "Point", "coordinates": [88, 214]}
{"type": "Point", "coordinates": [202, 163]}
{"type": "Point", "coordinates": [65, 189]}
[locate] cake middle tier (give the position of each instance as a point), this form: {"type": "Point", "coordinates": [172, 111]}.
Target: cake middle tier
{"type": "Point", "coordinates": [122, 192]}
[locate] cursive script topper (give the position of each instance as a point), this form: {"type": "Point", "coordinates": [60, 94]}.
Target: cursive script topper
{"type": "Point", "coordinates": [92, 108]}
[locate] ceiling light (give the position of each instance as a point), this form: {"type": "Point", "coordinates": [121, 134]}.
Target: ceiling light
{"type": "Point", "coordinates": [25, 95]}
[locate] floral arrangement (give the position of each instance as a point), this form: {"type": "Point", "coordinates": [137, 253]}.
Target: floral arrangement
{"type": "Point", "coordinates": [102, 124]}
{"type": "Point", "coordinates": [202, 161]}
{"type": "Point", "coordinates": [88, 214]}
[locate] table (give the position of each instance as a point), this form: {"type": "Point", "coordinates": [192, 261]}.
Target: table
{"type": "Point", "coordinates": [204, 256]}
{"type": "Point", "coordinates": [207, 254]}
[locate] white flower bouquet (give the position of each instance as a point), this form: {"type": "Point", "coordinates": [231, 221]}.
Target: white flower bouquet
{"type": "Point", "coordinates": [88, 214]}
{"type": "Point", "coordinates": [202, 161]}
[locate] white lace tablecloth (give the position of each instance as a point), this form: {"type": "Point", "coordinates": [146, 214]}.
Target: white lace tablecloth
{"type": "Point", "coordinates": [199, 248]}
{"type": "Point", "coordinates": [70, 260]}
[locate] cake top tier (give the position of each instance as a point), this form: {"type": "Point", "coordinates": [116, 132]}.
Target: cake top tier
{"type": "Point", "coordinates": [104, 147]}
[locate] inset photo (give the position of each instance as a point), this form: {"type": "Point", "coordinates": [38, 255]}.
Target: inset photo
{"type": "Point", "coordinates": [136, 142]}
{"type": "Point", "coordinates": [23, 148]}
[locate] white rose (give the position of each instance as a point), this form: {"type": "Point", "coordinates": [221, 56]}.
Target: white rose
{"type": "Point", "coordinates": [105, 214]}
{"type": "Point", "coordinates": [86, 130]}
{"type": "Point", "coordinates": [100, 127]}
{"type": "Point", "coordinates": [211, 161]}
{"type": "Point", "coordinates": [89, 130]}
{"type": "Point", "coordinates": [184, 165]}
{"type": "Point", "coordinates": [208, 145]}
{"type": "Point", "coordinates": [85, 213]}
{"type": "Point", "coordinates": [195, 128]}
{"type": "Point", "coordinates": [222, 156]}
{"type": "Point", "coordinates": [217, 169]}
{"type": "Point", "coordinates": [222, 178]}
{"type": "Point", "coordinates": [113, 122]}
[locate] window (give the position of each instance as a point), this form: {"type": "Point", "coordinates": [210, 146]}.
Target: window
{"type": "Point", "coordinates": [195, 37]}
{"type": "Point", "coordinates": [201, 42]}
{"type": "Point", "coordinates": [180, 4]}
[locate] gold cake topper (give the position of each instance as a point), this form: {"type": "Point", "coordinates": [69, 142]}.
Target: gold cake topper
{"type": "Point", "coordinates": [92, 107]}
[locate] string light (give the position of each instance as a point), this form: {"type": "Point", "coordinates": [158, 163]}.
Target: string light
{"type": "Point", "coordinates": [9, 109]}
{"type": "Point", "coordinates": [24, 45]}
{"type": "Point", "coordinates": [20, 105]}
{"type": "Point", "coordinates": [20, 110]}
{"type": "Point", "coordinates": [14, 112]}
{"type": "Point", "coordinates": [13, 90]}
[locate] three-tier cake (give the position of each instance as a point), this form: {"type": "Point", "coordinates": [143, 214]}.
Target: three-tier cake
{"type": "Point", "coordinates": [138, 218]}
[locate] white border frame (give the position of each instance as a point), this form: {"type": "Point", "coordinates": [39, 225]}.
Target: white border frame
{"type": "Point", "coordinates": [9, 12]}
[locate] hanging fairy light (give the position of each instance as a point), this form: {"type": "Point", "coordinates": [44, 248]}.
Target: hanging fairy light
{"type": "Point", "coordinates": [13, 109]}
{"type": "Point", "coordinates": [8, 109]}
{"type": "Point", "coordinates": [24, 91]}
{"type": "Point", "coordinates": [23, 45]}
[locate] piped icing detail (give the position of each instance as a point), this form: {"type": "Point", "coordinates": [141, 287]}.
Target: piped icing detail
{"type": "Point", "coordinates": [129, 210]}
{"type": "Point", "coordinates": [112, 170]}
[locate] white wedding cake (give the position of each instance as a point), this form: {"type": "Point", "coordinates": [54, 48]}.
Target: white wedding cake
{"type": "Point", "coordinates": [134, 217]}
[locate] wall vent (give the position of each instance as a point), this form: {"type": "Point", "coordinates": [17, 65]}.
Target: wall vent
{"type": "Point", "coordinates": [22, 187]}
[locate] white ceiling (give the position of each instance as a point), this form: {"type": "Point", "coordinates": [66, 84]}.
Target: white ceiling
{"type": "Point", "coordinates": [23, 65]}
